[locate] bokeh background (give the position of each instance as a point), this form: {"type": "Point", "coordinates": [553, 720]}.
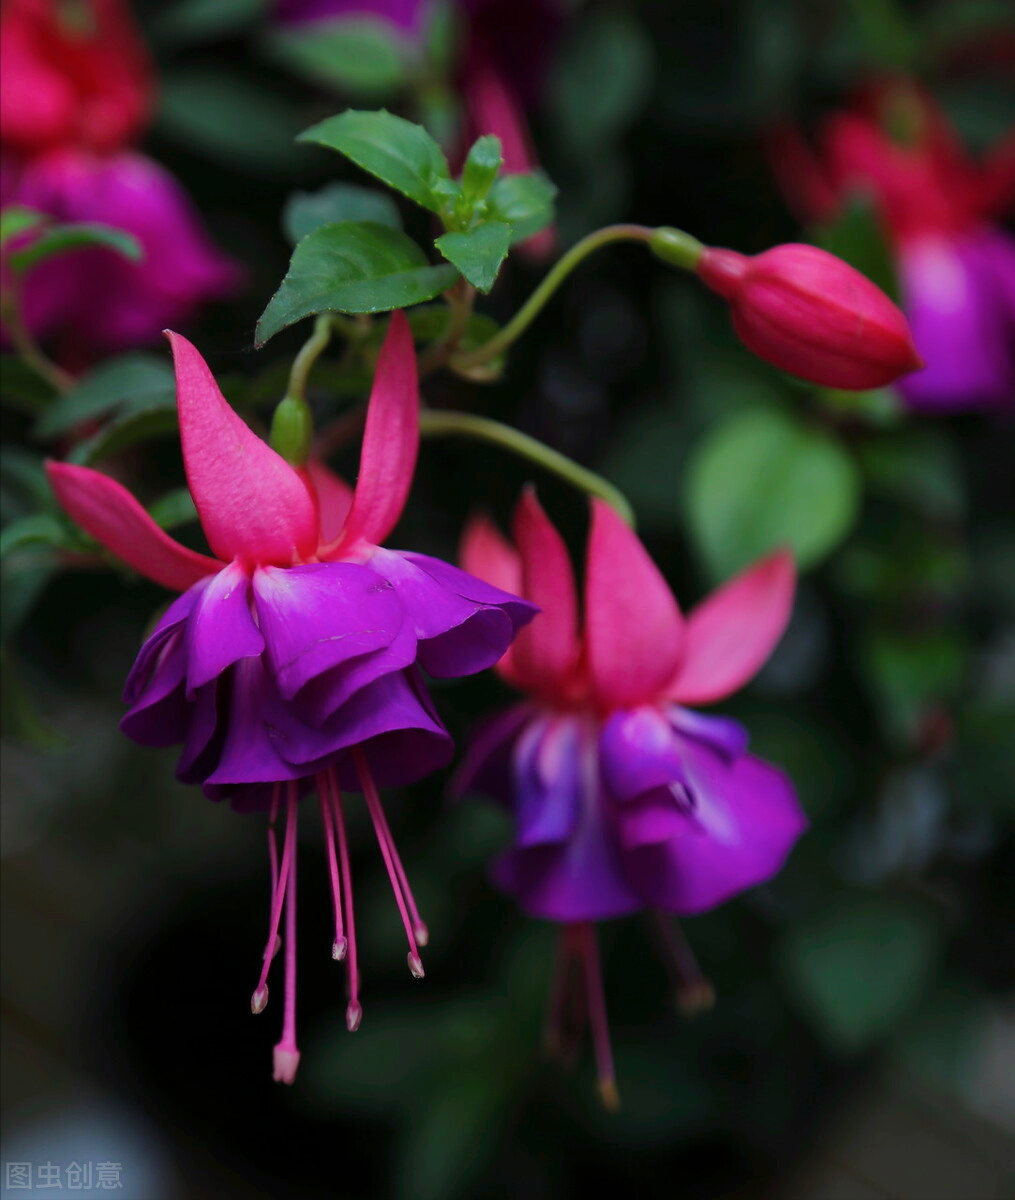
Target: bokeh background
{"type": "Point", "coordinates": [863, 1042]}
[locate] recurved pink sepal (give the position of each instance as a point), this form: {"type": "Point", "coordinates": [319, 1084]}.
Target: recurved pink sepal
{"type": "Point", "coordinates": [253, 505]}
{"type": "Point", "coordinates": [390, 440]}
{"type": "Point", "coordinates": [634, 632]}
{"type": "Point", "coordinates": [731, 634]}
{"type": "Point", "coordinates": [546, 651]}
{"type": "Point", "coordinates": [110, 514]}
{"type": "Point", "coordinates": [487, 554]}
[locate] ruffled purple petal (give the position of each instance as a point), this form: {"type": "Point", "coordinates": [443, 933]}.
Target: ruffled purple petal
{"type": "Point", "coordinates": [959, 296]}
{"type": "Point", "coordinates": [548, 770]}
{"type": "Point", "coordinates": [486, 765]}
{"type": "Point", "coordinates": [174, 616]}
{"type": "Point", "coordinates": [463, 624]}
{"type": "Point", "coordinates": [724, 734]}
{"type": "Point", "coordinates": [319, 616]}
{"type": "Point", "coordinates": [220, 628]}
{"type": "Point", "coordinates": [745, 821]}
{"type": "Point", "coordinates": [249, 753]}
{"type": "Point", "coordinates": [158, 714]}
{"type": "Point", "coordinates": [638, 753]}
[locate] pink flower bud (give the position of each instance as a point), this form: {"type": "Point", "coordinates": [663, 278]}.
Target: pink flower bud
{"type": "Point", "coordinates": [809, 313]}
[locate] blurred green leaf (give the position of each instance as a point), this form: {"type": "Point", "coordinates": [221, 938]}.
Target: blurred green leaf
{"type": "Point", "coordinates": [886, 35]}
{"type": "Point", "coordinates": [352, 267]}
{"type": "Point", "coordinates": [919, 467]}
{"type": "Point", "coordinates": [24, 487]}
{"type": "Point", "coordinates": [856, 237]}
{"type": "Point", "coordinates": [173, 509]}
{"type": "Point", "coordinates": [23, 388]}
{"type": "Point", "coordinates": [17, 219]}
{"type": "Point", "coordinates": [24, 577]}
{"type": "Point", "coordinates": [759, 480]}
{"type": "Point", "coordinates": [478, 253]}
{"type": "Point", "coordinates": [19, 714]}
{"type": "Point", "coordinates": [525, 202]}
{"type": "Point", "coordinates": [229, 118]}
{"type": "Point", "coordinates": [40, 529]}
{"type": "Point", "coordinates": [60, 239]}
{"type": "Point", "coordinates": [357, 55]}
{"type": "Point", "coordinates": [985, 754]}
{"type": "Point", "coordinates": [858, 969]}
{"type": "Point", "coordinates": [188, 21]}
{"type": "Point", "coordinates": [149, 417]}
{"type": "Point", "coordinates": [603, 78]}
{"type": "Point", "coordinates": [942, 1042]}
{"type": "Point", "coordinates": [136, 377]}
{"type": "Point", "coordinates": [908, 671]}
{"type": "Point", "coordinates": [336, 202]}
{"type": "Point", "coordinates": [399, 153]}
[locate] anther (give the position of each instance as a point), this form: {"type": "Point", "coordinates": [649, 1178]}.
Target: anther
{"type": "Point", "coordinates": [338, 948]}
{"type": "Point", "coordinates": [415, 965]}
{"type": "Point", "coordinates": [259, 1000]}
{"type": "Point", "coordinates": [353, 1016]}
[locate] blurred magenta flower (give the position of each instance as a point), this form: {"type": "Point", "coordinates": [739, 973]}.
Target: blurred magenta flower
{"type": "Point", "coordinates": [293, 657]}
{"type": "Point", "coordinates": [93, 302]}
{"type": "Point", "coordinates": [809, 313]}
{"type": "Point", "coordinates": [623, 797]}
{"type": "Point", "coordinates": [75, 73]}
{"type": "Point", "coordinates": [936, 204]}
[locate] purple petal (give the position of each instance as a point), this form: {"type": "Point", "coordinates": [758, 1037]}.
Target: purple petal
{"type": "Point", "coordinates": [638, 753]}
{"type": "Point", "coordinates": [158, 713]}
{"type": "Point", "coordinates": [958, 296]}
{"type": "Point", "coordinates": [745, 821]}
{"type": "Point", "coordinates": [548, 768]}
{"type": "Point", "coordinates": [465, 625]}
{"type": "Point", "coordinates": [221, 629]}
{"type": "Point", "coordinates": [205, 735]}
{"type": "Point", "coordinates": [486, 764]}
{"type": "Point", "coordinates": [249, 753]}
{"type": "Point", "coordinates": [724, 734]}
{"type": "Point", "coordinates": [316, 617]}
{"type": "Point", "coordinates": [148, 655]}
{"type": "Point", "coordinates": [404, 15]}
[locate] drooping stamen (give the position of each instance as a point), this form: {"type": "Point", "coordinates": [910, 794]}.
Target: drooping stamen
{"type": "Point", "coordinates": [694, 991]}
{"type": "Point", "coordinates": [339, 944]}
{"type": "Point", "coordinates": [396, 873]}
{"type": "Point", "coordinates": [353, 1010]}
{"type": "Point", "coordinates": [567, 1007]}
{"type": "Point", "coordinates": [271, 950]}
{"type": "Point", "coordinates": [286, 1056]}
{"type": "Point", "coordinates": [260, 997]}
{"type": "Point", "coordinates": [607, 1081]}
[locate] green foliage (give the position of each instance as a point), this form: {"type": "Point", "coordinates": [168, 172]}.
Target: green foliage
{"type": "Point", "coordinates": [761, 479]}
{"type": "Point", "coordinates": [393, 150]}
{"type": "Point", "coordinates": [856, 236]}
{"type": "Point", "coordinates": [22, 388]}
{"type": "Point", "coordinates": [478, 253]}
{"type": "Point", "coordinates": [189, 21]}
{"type": "Point", "coordinates": [358, 56]}
{"type": "Point", "coordinates": [482, 165]}
{"type": "Point", "coordinates": [16, 220]}
{"type": "Point", "coordinates": [336, 202]}
{"type": "Point", "coordinates": [919, 468]}
{"type": "Point", "coordinates": [173, 509]}
{"type": "Point", "coordinates": [137, 378]}
{"type": "Point", "coordinates": [352, 267]}
{"type": "Point", "coordinates": [60, 239]}
{"type": "Point", "coordinates": [525, 202]}
{"type": "Point", "coordinates": [139, 421]}
{"type": "Point", "coordinates": [857, 969]}
{"type": "Point", "coordinates": [908, 671]}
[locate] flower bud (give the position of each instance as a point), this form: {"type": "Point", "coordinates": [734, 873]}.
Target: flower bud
{"type": "Point", "coordinates": [481, 167]}
{"type": "Point", "coordinates": [292, 430]}
{"type": "Point", "coordinates": [811, 314]}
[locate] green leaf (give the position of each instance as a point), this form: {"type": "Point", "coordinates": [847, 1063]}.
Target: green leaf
{"type": "Point", "coordinates": [352, 268]}
{"type": "Point", "coordinates": [759, 480]}
{"type": "Point", "coordinates": [525, 202]}
{"type": "Point", "coordinates": [481, 166]}
{"type": "Point", "coordinates": [856, 237]}
{"type": "Point", "coordinates": [918, 467]}
{"type": "Point", "coordinates": [229, 118]}
{"type": "Point", "coordinates": [335, 202]}
{"type": "Point", "coordinates": [909, 672]}
{"type": "Point", "coordinates": [22, 387]}
{"type": "Point", "coordinates": [134, 377]}
{"type": "Point", "coordinates": [857, 970]}
{"type": "Point", "coordinates": [17, 219]}
{"type": "Point", "coordinates": [173, 509]}
{"type": "Point", "coordinates": [361, 56]}
{"type": "Point", "coordinates": [24, 487]}
{"type": "Point", "coordinates": [23, 578]}
{"type": "Point", "coordinates": [400, 154]}
{"type": "Point", "coordinates": [59, 239]}
{"type": "Point", "coordinates": [152, 417]}
{"type": "Point", "coordinates": [478, 253]}
{"type": "Point", "coordinates": [207, 20]}
{"type": "Point", "coordinates": [603, 79]}
{"type": "Point", "coordinates": [39, 529]}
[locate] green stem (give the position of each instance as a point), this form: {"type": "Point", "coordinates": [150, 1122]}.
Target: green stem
{"type": "Point", "coordinates": [460, 300]}
{"type": "Point", "coordinates": [28, 349]}
{"type": "Point", "coordinates": [524, 317]}
{"type": "Point", "coordinates": [447, 423]}
{"type": "Point", "coordinates": [309, 353]}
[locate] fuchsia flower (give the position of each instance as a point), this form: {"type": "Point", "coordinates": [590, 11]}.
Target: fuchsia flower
{"type": "Point", "coordinates": [93, 302]}
{"type": "Point", "coordinates": [293, 657]}
{"type": "Point", "coordinates": [623, 797]}
{"type": "Point", "coordinates": [956, 268]}
{"type": "Point", "coordinates": [809, 313]}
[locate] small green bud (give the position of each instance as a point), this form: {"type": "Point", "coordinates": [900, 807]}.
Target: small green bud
{"type": "Point", "coordinates": [675, 247]}
{"type": "Point", "coordinates": [292, 430]}
{"type": "Point", "coordinates": [481, 167]}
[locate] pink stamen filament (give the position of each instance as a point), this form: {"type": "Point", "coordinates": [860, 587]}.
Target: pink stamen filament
{"type": "Point", "coordinates": [607, 1080]}
{"type": "Point", "coordinates": [339, 945]}
{"type": "Point", "coordinates": [281, 876]}
{"type": "Point", "coordinates": [392, 862]}
{"type": "Point", "coordinates": [353, 1010]}
{"type": "Point", "coordinates": [286, 1054]}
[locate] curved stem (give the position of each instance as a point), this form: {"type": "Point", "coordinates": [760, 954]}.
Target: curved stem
{"type": "Point", "coordinates": [460, 299]}
{"type": "Point", "coordinates": [28, 348]}
{"type": "Point", "coordinates": [446, 423]}
{"type": "Point", "coordinates": [524, 317]}
{"type": "Point", "coordinates": [309, 353]}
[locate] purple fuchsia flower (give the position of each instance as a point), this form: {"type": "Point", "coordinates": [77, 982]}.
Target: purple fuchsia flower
{"type": "Point", "coordinates": [93, 302]}
{"type": "Point", "coordinates": [293, 658]}
{"type": "Point", "coordinates": [624, 797]}
{"type": "Point", "coordinates": [956, 267]}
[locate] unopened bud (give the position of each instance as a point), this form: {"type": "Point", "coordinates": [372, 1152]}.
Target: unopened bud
{"type": "Point", "coordinates": [811, 314]}
{"type": "Point", "coordinates": [292, 430]}
{"type": "Point", "coordinates": [481, 167]}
